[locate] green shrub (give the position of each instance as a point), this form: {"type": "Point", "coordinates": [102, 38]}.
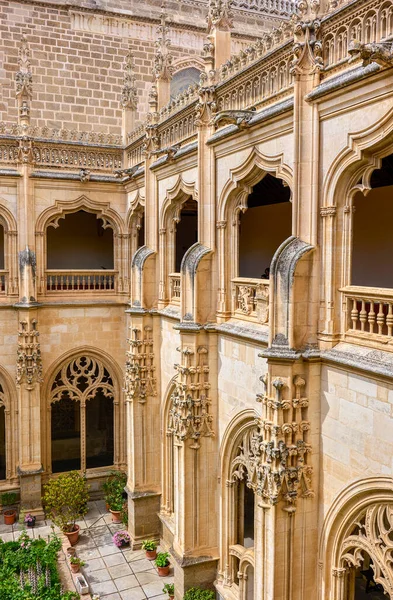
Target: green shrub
{"type": "Point", "coordinates": [199, 594]}
{"type": "Point", "coordinates": [8, 498]}
{"type": "Point", "coordinates": [113, 490]}
{"type": "Point", "coordinates": [65, 500]}
{"type": "Point", "coordinates": [149, 545]}
{"type": "Point", "coordinates": [169, 588]}
{"type": "Point", "coordinates": [162, 559]}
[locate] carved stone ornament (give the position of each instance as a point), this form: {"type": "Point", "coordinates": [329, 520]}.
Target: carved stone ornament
{"type": "Point", "coordinates": [381, 53]}
{"type": "Point", "coordinates": [307, 49]}
{"type": "Point", "coordinates": [220, 15]}
{"type": "Point", "coordinates": [241, 118]}
{"type": "Point", "coordinates": [24, 77]}
{"type": "Point", "coordinates": [81, 379]}
{"type": "Point", "coordinates": [129, 92]}
{"type": "Point", "coordinates": [163, 58]}
{"type": "Point", "coordinates": [189, 416]}
{"type": "Point", "coordinates": [206, 107]}
{"type": "Point", "coordinates": [28, 363]}
{"type": "Point", "coordinates": [272, 456]}
{"type": "Point", "coordinates": [372, 534]}
{"type": "Point", "coordinates": [140, 381]}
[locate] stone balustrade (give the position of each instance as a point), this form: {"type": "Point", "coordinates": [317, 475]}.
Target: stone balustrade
{"type": "Point", "coordinates": [174, 288]}
{"type": "Point", "coordinates": [369, 314]}
{"type": "Point", "coordinates": [251, 299]}
{"type": "Point", "coordinates": [64, 281]}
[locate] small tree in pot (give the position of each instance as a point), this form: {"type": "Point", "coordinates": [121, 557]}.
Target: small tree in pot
{"type": "Point", "coordinates": [162, 563]}
{"type": "Point", "coordinates": [7, 500]}
{"type": "Point", "coordinates": [114, 494]}
{"type": "Point", "coordinates": [65, 501]}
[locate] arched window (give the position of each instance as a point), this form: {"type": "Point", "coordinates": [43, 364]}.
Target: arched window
{"type": "Point", "coordinates": [81, 241]}
{"type": "Point", "coordinates": [183, 79]}
{"type": "Point", "coordinates": [2, 260]}
{"type": "Point", "coordinates": [372, 236]}
{"type": "Point", "coordinates": [82, 416]}
{"type": "Point", "coordinates": [186, 230]}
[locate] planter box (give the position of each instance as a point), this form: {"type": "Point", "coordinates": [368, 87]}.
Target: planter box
{"type": "Point", "coordinates": [81, 584]}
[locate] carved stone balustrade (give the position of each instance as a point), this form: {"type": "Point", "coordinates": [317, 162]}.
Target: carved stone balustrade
{"type": "Point", "coordinates": [174, 288]}
{"type": "Point", "coordinates": [63, 281]}
{"type": "Point", "coordinates": [251, 299]}
{"type": "Point", "coordinates": [369, 315]}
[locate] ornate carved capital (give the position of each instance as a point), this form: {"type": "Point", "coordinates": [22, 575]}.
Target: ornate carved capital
{"type": "Point", "coordinates": [140, 381]}
{"type": "Point", "coordinates": [206, 107]}
{"type": "Point", "coordinates": [189, 416]}
{"type": "Point", "coordinates": [328, 211]}
{"type": "Point", "coordinates": [307, 49]}
{"type": "Point", "coordinates": [28, 364]}
{"type": "Point", "coordinates": [220, 15]}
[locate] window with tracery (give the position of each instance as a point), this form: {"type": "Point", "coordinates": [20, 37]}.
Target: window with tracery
{"type": "Point", "coordinates": [82, 416]}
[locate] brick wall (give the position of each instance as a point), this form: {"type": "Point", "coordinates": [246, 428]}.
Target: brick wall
{"type": "Point", "coordinates": [77, 75]}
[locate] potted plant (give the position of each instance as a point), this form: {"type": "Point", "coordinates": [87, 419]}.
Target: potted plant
{"type": "Point", "coordinates": [29, 520]}
{"type": "Point", "coordinates": [114, 491]}
{"type": "Point", "coordinates": [169, 588]}
{"type": "Point", "coordinates": [121, 539]}
{"type": "Point", "coordinates": [7, 500]}
{"type": "Point", "coordinates": [162, 563]}
{"type": "Point", "coordinates": [116, 507]}
{"type": "Point", "coordinates": [150, 548]}
{"type": "Point", "coordinates": [76, 563]}
{"type": "Point", "coordinates": [70, 552]}
{"type": "Point", "coordinates": [65, 501]}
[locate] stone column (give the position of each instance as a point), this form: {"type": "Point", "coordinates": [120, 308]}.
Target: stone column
{"type": "Point", "coordinates": [192, 418]}
{"type": "Point", "coordinates": [143, 427]}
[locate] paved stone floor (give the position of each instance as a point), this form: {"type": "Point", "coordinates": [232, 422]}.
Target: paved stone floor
{"type": "Point", "coordinates": [112, 573]}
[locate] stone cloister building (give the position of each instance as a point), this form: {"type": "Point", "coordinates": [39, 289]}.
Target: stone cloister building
{"type": "Point", "coordinates": [196, 282]}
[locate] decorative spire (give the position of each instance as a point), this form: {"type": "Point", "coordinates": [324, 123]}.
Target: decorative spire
{"type": "Point", "coordinates": [129, 93]}
{"type": "Point", "coordinates": [163, 57]}
{"type": "Point", "coordinates": [220, 15]}
{"type": "Point", "coordinates": [24, 77]}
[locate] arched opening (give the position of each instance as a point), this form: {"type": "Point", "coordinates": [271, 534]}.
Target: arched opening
{"type": "Point", "coordinates": [186, 230]}
{"type": "Point", "coordinates": [249, 591]}
{"type": "Point", "coordinates": [2, 443]}
{"type": "Point", "coordinates": [141, 232]}
{"type": "Point", "coordinates": [266, 223]}
{"type": "Point", "coordinates": [80, 254]}
{"type": "Point", "coordinates": [372, 241]}
{"type": "Point", "coordinates": [246, 513]}
{"type": "Point", "coordinates": [362, 584]}
{"type": "Point", "coordinates": [82, 416]}
{"type": "Point", "coordinates": [183, 79]}
{"type": "Point", "coordinates": [2, 260]}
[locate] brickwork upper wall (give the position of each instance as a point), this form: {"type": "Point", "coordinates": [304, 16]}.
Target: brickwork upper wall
{"type": "Point", "coordinates": [77, 75]}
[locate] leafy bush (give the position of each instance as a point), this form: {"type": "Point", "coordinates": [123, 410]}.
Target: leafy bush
{"type": "Point", "coordinates": [195, 593]}
{"type": "Point", "coordinates": [28, 570]}
{"type": "Point", "coordinates": [65, 499]}
{"type": "Point", "coordinates": [169, 588]}
{"type": "Point", "coordinates": [114, 489]}
{"type": "Point", "coordinates": [8, 498]}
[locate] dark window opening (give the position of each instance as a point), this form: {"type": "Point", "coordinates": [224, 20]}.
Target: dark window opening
{"type": "Point", "coordinates": [186, 231]}
{"type": "Point", "coordinates": [66, 435]}
{"type": "Point", "coordinates": [372, 243]}
{"type": "Point", "coordinates": [2, 250]}
{"type": "Point", "coordinates": [246, 515]}
{"type": "Point", "coordinates": [264, 226]}
{"type": "Point", "coordinates": [80, 242]}
{"type": "Point", "coordinates": [141, 232]}
{"type": "Point", "coordinates": [2, 443]}
{"type": "Point", "coordinates": [99, 432]}
{"type": "Point", "coordinates": [365, 584]}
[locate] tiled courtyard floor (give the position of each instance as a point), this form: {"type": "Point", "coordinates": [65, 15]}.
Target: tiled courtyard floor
{"type": "Point", "coordinates": [112, 573]}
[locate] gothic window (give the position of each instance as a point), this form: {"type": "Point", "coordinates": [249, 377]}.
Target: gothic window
{"type": "Point", "coordinates": [186, 230]}
{"type": "Point", "coordinates": [80, 241]}
{"type": "Point", "coordinates": [82, 416]}
{"type": "Point", "coordinates": [3, 472]}
{"type": "Point", "coordinates": [183, 79]}
{"type": "Point", "coordinates": [372, 242]}
{"type": "Point", "coordinates": [264, 226]}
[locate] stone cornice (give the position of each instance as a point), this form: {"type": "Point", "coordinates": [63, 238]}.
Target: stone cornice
{"type": "Point", "coordinates": [342, 80]}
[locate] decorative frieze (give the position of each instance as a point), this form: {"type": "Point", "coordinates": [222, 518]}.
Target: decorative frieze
{"type": "Point", "coordinates": [29, 364]}
{"type": "Point", "coordinates": [140, 380]}
{"type": "Point", "coordinates": [190, 416]}
{"type": "Point", "coordinates": [273, 455]}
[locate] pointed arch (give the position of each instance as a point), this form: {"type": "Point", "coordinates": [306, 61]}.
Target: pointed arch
{"type": "Point", "coordinates": [100, 372]}
{"type": "Point", "coordinates": [359, 520]}
{"type": "Point", "coordinates": [9, 274]}
{"type": "Point", "coordinates": [9, 403]}
{"type": "Point", "coordinates": [51, 215]}
{"type": "Point", "coordinates": [174, 198]}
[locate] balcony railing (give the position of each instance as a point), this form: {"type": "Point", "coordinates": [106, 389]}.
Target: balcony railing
{"type": "Point", "coordinates": [80, 281]}
{"type": "Point", "coordinates": [174, 288]}
{"type": "Point", "coordinates": [3, 282]}
{"type": "Point", "coordinates": [369, 314]}
{"type": "Point", "coordinates": [251, 299]}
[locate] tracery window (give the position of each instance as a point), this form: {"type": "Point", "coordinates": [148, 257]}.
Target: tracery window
{"type": "Point", "coordinates": [82, 416]}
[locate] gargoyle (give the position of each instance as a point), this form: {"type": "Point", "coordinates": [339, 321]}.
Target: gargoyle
{"type": "Point", "coordinates": [241, 118]}
{"type": "Point", "coordinates": [381, 53]}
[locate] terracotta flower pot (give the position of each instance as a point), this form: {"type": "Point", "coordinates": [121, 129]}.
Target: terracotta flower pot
{"type": "Point", "coordinates": [107, 506]}
{"type": "Point", "coordinates": [9, 517]}
{"type": "Point", "coordinates": [151, 554]}
{"type": "Point", "coordinates": [71, 552]}
{"type": "Point", "coordinates": [75, 568]}
{"type": "Point", "coordinates": [73, 536]}
{"type": "Point", "coordinates": [163, 571]}
{"type": "Point", "coordinates": [116, 516]}
{"type": "Point", "coordinates": [171, 597]}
